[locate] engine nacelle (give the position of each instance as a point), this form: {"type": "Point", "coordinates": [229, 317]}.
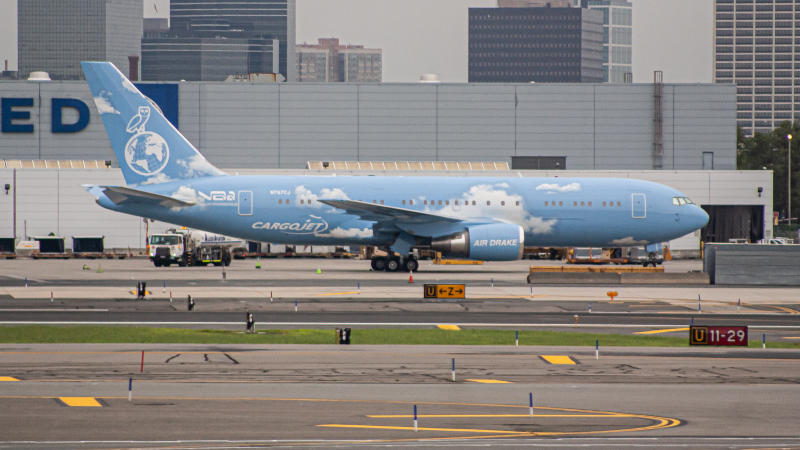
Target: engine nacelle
{"type": "Point", "coordinates": [491, 242]}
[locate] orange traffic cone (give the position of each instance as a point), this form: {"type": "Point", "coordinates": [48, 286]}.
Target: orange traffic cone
{"type": "Point", "coordinates": [411, 278]}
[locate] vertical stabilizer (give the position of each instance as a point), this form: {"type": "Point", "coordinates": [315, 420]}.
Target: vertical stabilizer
{"type": "Point", "coordinates": [149, 149]}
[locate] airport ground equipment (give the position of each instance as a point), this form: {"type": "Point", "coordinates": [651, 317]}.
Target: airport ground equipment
{"type": "Point", "coordinates": [186, 247]}
{"type": "Point", "coordinates": [619, 255]}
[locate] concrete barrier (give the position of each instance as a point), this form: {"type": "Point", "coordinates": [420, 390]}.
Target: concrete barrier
{"type": "Point", "coordinates": [753, 264]}
{"type": "Point", "coordinates": [694, 278]}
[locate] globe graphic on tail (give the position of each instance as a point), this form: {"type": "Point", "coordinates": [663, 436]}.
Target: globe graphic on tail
{"type": "Point", "coordinates": [146, 153]}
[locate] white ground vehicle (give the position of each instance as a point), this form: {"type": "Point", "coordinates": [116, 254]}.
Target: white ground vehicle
{"type": "Point", "coordinates": [186, 247]}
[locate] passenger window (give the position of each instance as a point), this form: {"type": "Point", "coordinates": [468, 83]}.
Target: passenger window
{"type": "Point", "coordinates": [546, 204]}
{"type": "Point", "coordinates": [280, 202]}
{"type": "Point", "coordinates": [411, 202]}
{"type": "Point", "coordinates": [456, 202]}
{"type": "Point", "coordinates": [404, 202]}
{"type": "Point", "coordinates": [301, 201]}
{"type": "Point", "coordinates": [503, 203]}
{"type": "Point", "coordinates": [440, 203]}
{"type": "Point", "coordinates": [488, 203]}
{"type": "Point", "coordinates": [425, 202]}
{"type": "Point", "coordinates": [582, 204]}
{"type": "Point", "coordinates": [374, 202]}
{"type": "Point", "coordinates": [287, 201]}
{"type": "Point", "coordinates": [574, 203]}
{"type": "Point", "coordinates": [590, 203]}
{"type": "Point", "coordinates": [381, 202]}
{"type": "Point", "coordinates": [518, 203]}
{"type": "Point", "coordinates": [473, 203]}
{"type": "Point", "coordinates": [447, 202]}
{"type": "Point", "coordinates": [604, 203]}
{"type": "Point", "coordinates": [559, 203]}
{"type": "Point", "coordinates": [619, 204]}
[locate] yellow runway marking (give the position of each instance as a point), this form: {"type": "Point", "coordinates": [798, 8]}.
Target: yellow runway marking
{"type": "Point", "coordinates": [404, 416]}
{"type": "Point", "coordinates": [339, 293]}
{"type": "Point", "coordinates": [80, 401]}
{"type": "Point", "coordinates": [557, 359]}
{"type": "Point", "coordinates": [784, 309]}
{"type": "Point", "coordinates": [8, 379]}
{"type": "Point", "coordinates": [491, 381]}
{"type": "Point", "coordinates": [449, 327]}
{"type": "Point", "coordinates": [145, 292]}
{"type": "Point", "coordinates": [669, 330]}
{"type": "Point", "coordinates": [458, 430]}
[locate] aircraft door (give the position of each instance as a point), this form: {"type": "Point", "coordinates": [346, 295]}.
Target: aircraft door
{"type": "Point", "coordinates": [639, 206]}
{"type": "Point", "coordinates": [245, 203]}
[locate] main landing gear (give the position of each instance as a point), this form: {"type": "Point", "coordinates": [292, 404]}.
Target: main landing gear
{"type": "Point", "coordinates": [395, 263]}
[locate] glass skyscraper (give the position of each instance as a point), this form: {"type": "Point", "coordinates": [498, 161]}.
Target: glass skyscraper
{"type": "Point", "coordinates": [535, 44]}
{"type": "Point", "coordinates": [755, 48]}
{"type": "Point", "coordinates": [259, 22]}
{"type": "Point", "coordinates": [56, 35]}
{"type": "Point", "coordinates": [617, 37]}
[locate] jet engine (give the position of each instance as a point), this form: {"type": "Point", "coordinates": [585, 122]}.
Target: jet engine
{"type": "Point", "coordinates": [490, 242]}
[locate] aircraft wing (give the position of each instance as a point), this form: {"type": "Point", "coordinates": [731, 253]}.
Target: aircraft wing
{"type": "Point", "coordinates": [377, 213]}
{"type": "Point", "coordinates": [124, 195]}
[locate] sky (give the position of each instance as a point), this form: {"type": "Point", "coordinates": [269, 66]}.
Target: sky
{"type": "Point", "coordinates": [430, 36]}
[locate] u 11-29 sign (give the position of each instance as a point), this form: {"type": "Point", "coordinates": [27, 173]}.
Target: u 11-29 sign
{"type": "Point", "coordinates": [712, 335]}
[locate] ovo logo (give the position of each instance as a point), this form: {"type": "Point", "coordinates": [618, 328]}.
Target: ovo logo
{"type": "Point", "coordinates": [146, 152]}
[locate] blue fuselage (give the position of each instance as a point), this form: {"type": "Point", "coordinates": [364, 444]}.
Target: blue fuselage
{"type": "Point", "coordinates": [553, 212]}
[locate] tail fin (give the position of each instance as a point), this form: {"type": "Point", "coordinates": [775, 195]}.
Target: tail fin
{"type": "Point", "coordinates": [149, 149]}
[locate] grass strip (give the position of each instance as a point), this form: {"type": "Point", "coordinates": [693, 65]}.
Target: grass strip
{"type": "Point", "coordinates": [85, 334]}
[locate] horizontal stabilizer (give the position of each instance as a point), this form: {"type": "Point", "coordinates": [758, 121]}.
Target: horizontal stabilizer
{"type": "Point", "coordinates": [124, 195]}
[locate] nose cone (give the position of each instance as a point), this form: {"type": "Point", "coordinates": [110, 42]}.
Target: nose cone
{"type": "Point", "coordinates": [695, 218]}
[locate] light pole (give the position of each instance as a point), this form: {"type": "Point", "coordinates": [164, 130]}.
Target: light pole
{"type": "Point", "coordinates": [789, 178]}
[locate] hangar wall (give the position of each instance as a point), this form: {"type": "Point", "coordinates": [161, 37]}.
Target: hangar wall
{"type": "Point", "coordinates": [53, 200]}
{"type": "Point", "coordinates": [595, 126]}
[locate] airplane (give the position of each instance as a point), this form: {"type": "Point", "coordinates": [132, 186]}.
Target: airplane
{"type": "Point", "coordinates": [480, 218]}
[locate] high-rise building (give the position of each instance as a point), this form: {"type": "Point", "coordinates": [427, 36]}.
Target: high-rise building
{"type": "Point", "coordinates": [535, 44]}
{"type": "Point", "coordinates": [56, 35]}
{"type": "Point", "coordinates": [328, 61]}
{"type": "Point", "coordinates": [258, 22]}
{"type": "Point", "coordinates": [754, 49]}
{"type": "Point", "coordinates": [617, 38]}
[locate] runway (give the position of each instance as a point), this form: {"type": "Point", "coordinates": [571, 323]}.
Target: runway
{"type": "Point", "coordinates": [195, 396]}
{"type": "Point", "coordinates": [191, 396]}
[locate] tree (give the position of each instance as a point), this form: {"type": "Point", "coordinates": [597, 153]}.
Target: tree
{"type": "Point", "coordinates": [768, 152]}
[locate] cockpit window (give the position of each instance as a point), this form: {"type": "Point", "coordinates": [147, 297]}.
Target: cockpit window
{"type": "Point", "coordinates": [680, 201]}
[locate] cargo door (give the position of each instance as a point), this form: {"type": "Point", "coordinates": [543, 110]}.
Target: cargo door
{"type": "Point", "coordinates": [245, 203]}
{"type": "Point", "coordinates": [639, 204]}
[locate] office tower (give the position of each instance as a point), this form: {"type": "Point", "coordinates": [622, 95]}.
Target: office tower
{"type": "Point", "coordinates": [56, 35]}
{"type": "Point", "coordinates": [201, 29]}
{"type": "Point", "coordinates": [617, 38]}
{"type": "Point", "coordinates": [328, 61]}
{"type": "Point", "coordinates": [754, 49]}
{"type": "Point", "coordinates": [535, 44]}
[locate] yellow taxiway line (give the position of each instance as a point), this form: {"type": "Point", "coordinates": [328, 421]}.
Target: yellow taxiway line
{"type": "Point", "coordinates": [668, 330]}
{"type": "Point", "coordinates": [490, 381]}
{"type": "Point", "coordinates": [448, 327]}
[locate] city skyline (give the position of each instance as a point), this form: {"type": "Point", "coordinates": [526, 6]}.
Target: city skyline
{"type": "Point", "coordinates": [406, 29]}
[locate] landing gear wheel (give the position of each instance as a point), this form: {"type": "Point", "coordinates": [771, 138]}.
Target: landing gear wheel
{"type": "Point", "coordinates": [378, 264]}
{"type": "Point", "coordinates": [410, 265]}
{"type": "Point", "coordinates": [393, 264]}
